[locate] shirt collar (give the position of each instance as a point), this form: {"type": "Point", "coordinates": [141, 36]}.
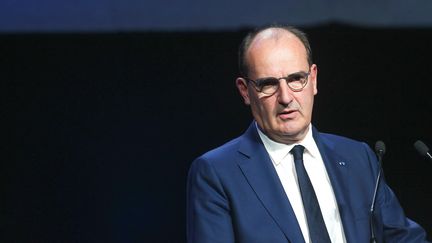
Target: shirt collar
{"type": "Point", "coordinates": [278, 151]}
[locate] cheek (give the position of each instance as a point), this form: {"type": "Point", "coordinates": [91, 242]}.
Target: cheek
{"type": "Point", "coordinates": [306, 102]}
{"type": "Point", "coordinates": [261, 107]}
{"type": "Point", "coordinates": [267, 108]}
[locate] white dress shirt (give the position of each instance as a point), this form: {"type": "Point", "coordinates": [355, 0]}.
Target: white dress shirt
{"type": "Point", "coordinates": [283, 162]}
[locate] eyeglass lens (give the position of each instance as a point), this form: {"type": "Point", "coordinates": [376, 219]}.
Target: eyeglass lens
{"type": "Point", "coordinates": [296, 81]}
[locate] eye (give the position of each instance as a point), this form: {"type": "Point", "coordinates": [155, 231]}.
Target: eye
{"type": "Point", "coordinates": [265, 82]}
{"type": "Point", "coordinates": [297, 77]}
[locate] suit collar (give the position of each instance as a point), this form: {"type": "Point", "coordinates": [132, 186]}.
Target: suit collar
{"type": "Point", "coordinates": [257, 167]}
{"type": "Point", "coordinates": [338, 168]}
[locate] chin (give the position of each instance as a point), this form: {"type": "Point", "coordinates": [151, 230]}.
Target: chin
{"type": "Point", "coordinates": [290, 129]}
{"type": "Point", "coordinates": [293, 131]}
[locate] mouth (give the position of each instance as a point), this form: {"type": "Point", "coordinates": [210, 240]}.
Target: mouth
{"type": "Point", "coordinates": [288, 114]}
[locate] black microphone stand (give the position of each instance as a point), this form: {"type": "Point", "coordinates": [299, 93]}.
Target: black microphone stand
{"type": "Point", "coordinates": [379, 150]}
{"type": "Point", "coordinates": [372, 208]}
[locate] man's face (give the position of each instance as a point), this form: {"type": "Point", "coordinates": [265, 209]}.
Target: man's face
{"type": "Point", "coordinates": [284, 116]}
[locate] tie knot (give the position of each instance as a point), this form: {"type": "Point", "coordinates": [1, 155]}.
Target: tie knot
{"type": "Point", "coordinates": [297, 152]}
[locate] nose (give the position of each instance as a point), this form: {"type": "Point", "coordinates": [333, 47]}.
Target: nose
{"type": "Point", "coordinates": [285, 94]}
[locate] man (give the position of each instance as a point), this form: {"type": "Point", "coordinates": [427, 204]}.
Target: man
{"type": "Point", "coordinates": [282, 180]}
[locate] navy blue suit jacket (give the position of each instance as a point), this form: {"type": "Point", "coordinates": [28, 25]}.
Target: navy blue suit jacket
{"type": "Point", "coordinates": [235, 195]}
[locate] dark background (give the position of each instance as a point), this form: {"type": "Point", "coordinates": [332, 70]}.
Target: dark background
{"type": "Point", "coordinates": [99, 130]}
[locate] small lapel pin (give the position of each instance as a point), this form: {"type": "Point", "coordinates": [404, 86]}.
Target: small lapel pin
{"type": "Point", "coordinates": [341, 163]}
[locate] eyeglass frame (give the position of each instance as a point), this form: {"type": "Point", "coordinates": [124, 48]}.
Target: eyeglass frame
{"type": "Point", "coordinates": [286, 80]}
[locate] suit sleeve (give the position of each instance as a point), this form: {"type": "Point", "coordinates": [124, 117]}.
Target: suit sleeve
{"type": "Point", "coordinates": [208, 211]}
{"type": "Point", "coordinates": [393, 225]}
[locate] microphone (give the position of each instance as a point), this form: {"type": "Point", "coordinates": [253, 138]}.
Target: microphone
{"type": "Point", "coordinates": [422, 149]}
{"type": "Point", "coordinates": [380, 151]}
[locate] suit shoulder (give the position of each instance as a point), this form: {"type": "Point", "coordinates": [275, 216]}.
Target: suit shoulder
{"type": "Point", "coordinates": [338, 140]}
{"type": "Point", "coordinates": [223, 151]}
{"type": "Point", "coordinates": [218, 161]}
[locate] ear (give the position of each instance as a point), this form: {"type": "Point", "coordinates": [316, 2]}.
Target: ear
{"type": "Point", "coordinates": [243, 89]}
{"type": "Point", "coordinates": [314, 78]}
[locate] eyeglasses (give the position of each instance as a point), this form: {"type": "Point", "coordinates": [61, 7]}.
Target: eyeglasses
{"type": "Point", "coordinates": [295, 81]}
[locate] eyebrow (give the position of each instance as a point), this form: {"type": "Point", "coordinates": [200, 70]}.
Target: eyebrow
{"type": "Point", "coordinates": [289, 75]}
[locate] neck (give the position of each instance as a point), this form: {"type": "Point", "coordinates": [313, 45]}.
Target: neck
{"type": "Point", "coordinates": [287, 138]}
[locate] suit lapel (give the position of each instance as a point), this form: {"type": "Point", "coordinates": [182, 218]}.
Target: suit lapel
{"type": "Point", "coordinates": [257, 167]}
{"type": "Point", "coordinates": [338, 170]}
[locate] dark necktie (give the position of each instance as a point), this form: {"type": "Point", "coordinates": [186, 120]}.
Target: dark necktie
{"type": "Point", "coordinates": [317, 229]}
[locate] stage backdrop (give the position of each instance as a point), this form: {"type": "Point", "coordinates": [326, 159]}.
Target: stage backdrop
{"type": "Point", "coordinates": [134, 15]}
{"type": "Point", "coordinates": [99, 130]}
